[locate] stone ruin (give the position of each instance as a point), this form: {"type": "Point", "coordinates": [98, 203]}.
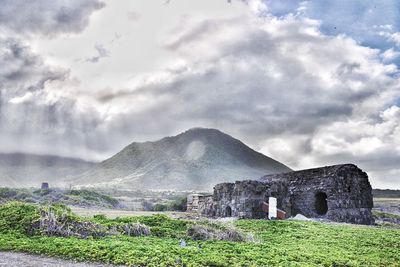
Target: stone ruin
{"type": "Point", "coordinates": [44, 186]}
{"type": "Point", "coordinates": [340, 193]}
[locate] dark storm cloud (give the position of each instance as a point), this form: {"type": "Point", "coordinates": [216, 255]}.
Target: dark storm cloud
{"type": "Point", "coordinates": [46, 17]}
{"type": "Point", "coordinates": [25, 71]}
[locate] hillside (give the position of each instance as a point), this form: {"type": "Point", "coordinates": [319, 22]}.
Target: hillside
{"type": "Point", "coordinates": [385, 193]}
{"type": "Point", "coordinates": [26, 170]}
{"type": "Point", "coordinates": [196, 159]}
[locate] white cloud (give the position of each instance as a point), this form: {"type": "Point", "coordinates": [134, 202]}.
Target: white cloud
{"type": "Point", "coordinates": [389, 55]}
{"type": "Point", "coordinates": [391, 36]}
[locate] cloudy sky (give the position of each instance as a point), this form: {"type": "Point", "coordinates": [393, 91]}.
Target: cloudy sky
{"type": "Point", "coordinates": [309, 83]}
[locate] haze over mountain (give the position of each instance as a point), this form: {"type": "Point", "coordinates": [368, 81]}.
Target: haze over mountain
{"type": "Point", "coordinates": [29, 170]}
{"type": "Point", "coordinates": [196, 159]}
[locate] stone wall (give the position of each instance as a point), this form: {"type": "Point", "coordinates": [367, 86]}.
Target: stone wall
{"type": "Point", "coordinates": [243, 199]}
{"type": "Point", "coordinates": [339, 193]}
{"type": "Point", "coordinates": [346, 188]}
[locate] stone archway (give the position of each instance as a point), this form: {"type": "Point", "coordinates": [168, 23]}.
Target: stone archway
{"type": "Point", "coordinates": [321, 204]}
{"type": "Point", "coordinates": [228, 211]}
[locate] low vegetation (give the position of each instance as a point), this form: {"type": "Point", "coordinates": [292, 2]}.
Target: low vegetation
{"type": "Point", "coordinates": [156, 240]}
{"type": "Point", "coordinates": [177, 204]}
{"type": "Point", "coordinates": [387, 219]}
{"type": "Point", "coordinates": [82, 198]}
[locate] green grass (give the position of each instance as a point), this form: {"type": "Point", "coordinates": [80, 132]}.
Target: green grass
{"type": "Point", "coordinates": [277, 243]}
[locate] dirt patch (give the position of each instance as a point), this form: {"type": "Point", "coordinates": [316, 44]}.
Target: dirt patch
{"type": "Point", "coordinates": [26, 260]}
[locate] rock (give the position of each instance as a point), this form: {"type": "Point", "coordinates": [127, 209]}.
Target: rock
{"type": "Point", "coordinates": [300, 217]}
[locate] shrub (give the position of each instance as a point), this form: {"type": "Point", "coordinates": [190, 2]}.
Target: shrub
{"type": "Point", "coordinates": [208, 232]}
{"type": "Point", "coordinates": [18, 216]}
{"type": "Point", "coordinates": [201, 232]}
{"type": "Point", "coordinates": [136, 229]}
{"type": "Point", "coordinates": [160, 207]}
{"type": "Point", "coordinates": [58, 220]}
{"type": "Point", "coordinates": [178, 204]}
{"type": "Point", "coordinates": [7, 192]}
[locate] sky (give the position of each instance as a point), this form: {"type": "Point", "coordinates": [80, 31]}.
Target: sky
{"type": "Point", "coordinates": [309, 83]}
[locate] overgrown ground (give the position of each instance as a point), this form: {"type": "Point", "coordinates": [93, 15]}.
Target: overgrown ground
{"type": "Point", "coordinates": [275, 243]}
{"type": "Point", "coordinates": [81, 198]}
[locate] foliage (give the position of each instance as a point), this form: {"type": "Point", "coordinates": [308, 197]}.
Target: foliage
{"type": "Point", "coordinates": [18, 216]}
{"type": "Point", "coordinates": [179, 204]}
{"type": "Point", "coordinates": [280, 243]}
{"type": "Point", "coordinates": [93, 196]}
{"type": "Point", "coordinates": [136, 229]}
{"type": "Point", "coordinates": [84, 198]}
{"type": "Point", "coordinates": [160, 207]}
{"type": "Point", "coordinates": [160, 225]}
{"type": "Point", "coordinates": [206, 232]}
{"type": "Point", "coordinates": [58, 220]}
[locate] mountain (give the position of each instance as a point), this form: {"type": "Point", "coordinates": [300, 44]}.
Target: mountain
{"type": "Point", "coordinates": [196, 159]}
{"type": "Point", "coordinates": [29, 170]}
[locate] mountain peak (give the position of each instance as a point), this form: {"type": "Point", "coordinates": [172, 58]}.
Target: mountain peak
{"type": "Point", "coordinates": [198, 158]}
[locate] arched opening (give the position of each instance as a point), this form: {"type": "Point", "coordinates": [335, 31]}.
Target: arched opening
{"type": "Point", "coordinates": [228, 212]}
{"type": "Point", "coordinates": [321, 205]}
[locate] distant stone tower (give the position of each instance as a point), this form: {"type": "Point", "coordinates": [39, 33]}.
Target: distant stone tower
{"type": "Point", "coordinates": [45, 186]}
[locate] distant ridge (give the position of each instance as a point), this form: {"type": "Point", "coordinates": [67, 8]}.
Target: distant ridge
{"type": "Point", "coordinates": [30, 170]}
{"type": "Point", "coordinates": [196, 159]}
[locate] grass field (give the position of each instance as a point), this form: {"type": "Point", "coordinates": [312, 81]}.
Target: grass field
{"type": "Point", "coordinates": [275, 243]}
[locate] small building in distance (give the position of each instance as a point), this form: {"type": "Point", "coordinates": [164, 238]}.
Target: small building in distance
{"type": "Point", "coordinates": [44, 186]}
{"type": "Point", "coordinates": [340, 193]}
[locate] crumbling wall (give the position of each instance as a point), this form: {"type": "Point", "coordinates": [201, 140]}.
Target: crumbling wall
{"type": "Point", "coordinates": [244, 199]}
{"type": "Point", "coordinates": [339, 193]}
{"type": "Point", "coordinates": [346, 189]}
{"type": "Point", "coordinates": [198, 203]}
{"type": "Point", "coordinates": [192, 204]}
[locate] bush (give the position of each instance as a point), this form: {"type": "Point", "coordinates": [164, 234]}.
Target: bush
{"type": "Point", "coordinates": [160, 207]}
{"type": "Point", "coordinates": [136, 229]}
{"type": "Point", "coordinates": [7, 192]}
{"type": "Point", "coordinates": [178, 205]}
{"type": "Point", "coordinates": [18, 216]}
{"type": "Point", "coordinates": [207, 232]}
{"type": "Point", "coordinates": [58, 220]}
{"type": "Point", "coordinates": [175, 205]}
{"type": "Point", "coordinates": [201, 232]}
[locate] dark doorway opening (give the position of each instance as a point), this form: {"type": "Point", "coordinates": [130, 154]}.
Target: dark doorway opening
{"type": "Point", "coordinates": [321, 205]}
{"type": "Point", "coordinates": [228, 212]}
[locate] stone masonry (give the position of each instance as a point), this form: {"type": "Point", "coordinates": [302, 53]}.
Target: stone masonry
{"type": "Point", "coordinates": [339, 193]}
